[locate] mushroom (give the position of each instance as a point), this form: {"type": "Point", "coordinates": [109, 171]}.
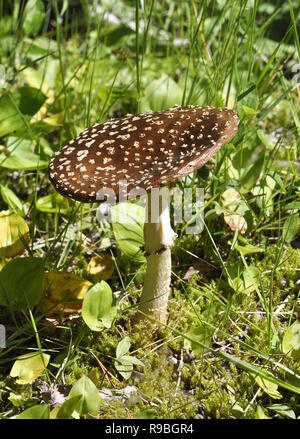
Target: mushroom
{"type": "Point", "coordinates": [147, 150]}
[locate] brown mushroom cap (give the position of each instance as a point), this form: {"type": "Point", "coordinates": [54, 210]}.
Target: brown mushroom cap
{"type": "Point", "coordinates": [147, 150]}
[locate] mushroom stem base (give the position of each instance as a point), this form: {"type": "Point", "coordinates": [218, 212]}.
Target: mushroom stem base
{"type": "Point", "coordinates": [154, 299]}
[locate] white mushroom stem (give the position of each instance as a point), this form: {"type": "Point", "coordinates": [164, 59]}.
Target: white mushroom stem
{"type": "Point", "coordinates": [159, 238]}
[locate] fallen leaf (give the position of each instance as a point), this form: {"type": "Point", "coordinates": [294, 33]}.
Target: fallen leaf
{"type": "Point", "coordinates": [202, 267]}
{"type": "Point", "coordinates": [236, 222]}
{"type": "Point", "coordinates": [63, 292]}
{"type": "Point", "coordinates": [101, 267]}
{"type": "Point", "coordinates": [14, 232]}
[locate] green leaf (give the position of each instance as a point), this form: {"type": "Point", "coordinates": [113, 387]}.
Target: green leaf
{"type": "Point", "coordinates": [21, 156]}
{"type": "Point", "coordinates": [291, 341]}
{"type": "Point", "coordinates": [265, 139]}
{"type": "Point", "coordinates": [250, 176]}
{"type": "Point", "coordinates": [249, 96]}
{"type": "Point", "coordinates": [124, 363]}
{"type": "Point", "coordinates": [270, 388]}
{"type": "Point", "coordinates": [34, 15]}
{"type": "Point", "coordinates": [21, 283]}
{"type": "Point", "coordinates": [201, 335]}
{"type": "Point", "coordinates": [29, 162]}
{"type": "Point", "coordinates": [128, 227]}
{"type": "Point", "coordinates": [249, 111]}
{"type": "Point", "coordinates": [129, 359]}
{"type": "Point", "coordinates": [98, 310]}
{"type": "Point", "coordinates": [64, 7]}
{"type": "Point", "coordinates": [231, 199]}
{"type": "Point", "coordinates": [44, 76]}
{"type": "Point", "coordinates": [243, 158]}
{"type": "Point", "coordinates": [264, 192]}
{"type": "Point", "coordinates": [125, 368]}
{"type": "Point", "coordinates": [248, 249]}
{"type": "Point", "coordinates": [236, 410]}
{"type": "Point", "coordinates": [293, 377]}
{"type": "Point", "coordinates": [243, 280]}
{"type": "Point", "coordinates": [251, 277]}
{"type": "Point", "coordinates": [90, 398]}
{"type": "Point", "coordinates": [53, 203]}
{"type": "Point", "coordinates": [31, 100]}
{"type": "Point", "coordinates": [283, 410]}
{"type": "Point", "coordinates": [13, 202]}
{"type": "Point", "coordinates": [28, 367]}
{"type": "Point", "coordinates": [161, 94]}
{"type": "Point", "coordinates": [13, 232]}
{"type": "Point", "coordinates": [95, 376]}
{"type": "Point", "coordinates": [123, 347]}
{"type": "Point", "coordinates": [247, 164]}
{"type": "Point", "coordinates": [290, 227]}
{"type": "Point", "coordinates": [16, 109]}
{"type": "Point", "coordinates": [115, 34]}
{"type": "Point", "coordinates": [11, 120]}
{"type": "Point", "coordinates": [16, 399]}
{"type": "Point", "coordinates": [68, 407]}
{"type": "Point", "coordinates": [293, 205]}
{"type": "Point", "coordinates": [260, 414]}
{"type": "Point", "coordinates": [40, 411]}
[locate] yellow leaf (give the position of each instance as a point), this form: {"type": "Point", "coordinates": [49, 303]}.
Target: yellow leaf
{"type": "Point", "coordinates": [230, 196]}
{"type": "Point", "coordinates": [101, 267]}
{"type": "Point", "coordinates": [29, 366]}
{"type": "Point", "coordinates": [53, 413]}
{"type": "Point", "coordinates": [55, 119]}
{"type": "Point", "coordinates": [231, 200]}
{"type": "Point", "coordinates": [63, 292]}
{"type": "Point", "coordinates": [13, 232]}
{"type": "Point", "coordinates": [35, 79]}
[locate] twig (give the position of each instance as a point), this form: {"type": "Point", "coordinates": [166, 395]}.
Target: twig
{"type": "Point", "coordinates": [108, 375]}
{"type": "Point", "coordinates": [180, 367]}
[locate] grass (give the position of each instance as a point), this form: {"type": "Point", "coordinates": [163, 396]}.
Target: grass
{"type": "Point", "coordinates": [231, 345]}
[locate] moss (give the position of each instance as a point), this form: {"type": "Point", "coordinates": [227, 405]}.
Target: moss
{"type": "Point", "coordinates": [113, 410]}
{"type": "Point", "coordinates": [159, 386]}
{"type": "Point", "coordinates": [204, 385]}
{"type": "Point", "coordinates": [197, 389]}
